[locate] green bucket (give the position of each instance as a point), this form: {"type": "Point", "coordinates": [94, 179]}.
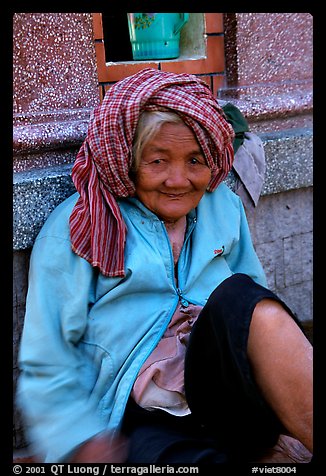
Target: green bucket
{"type": "Point", "coordinates": [155, 35]}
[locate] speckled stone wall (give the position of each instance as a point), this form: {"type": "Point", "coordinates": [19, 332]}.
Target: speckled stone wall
{"type": "Point", "coordinates": [272, 47]}
{"type": "Point", "coordinates": [53, 64]}
{"type": "Point", "coordinates": [269, 61]}
{"type": "Point", "coordinates": [54, 86]}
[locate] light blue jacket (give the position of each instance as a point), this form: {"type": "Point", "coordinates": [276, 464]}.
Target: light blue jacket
{"type": "Point", "coordinates": [86, 336]}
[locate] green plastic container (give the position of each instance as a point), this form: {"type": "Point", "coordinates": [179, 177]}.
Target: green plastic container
{"type": "Point", "coordinates": [155, 35]}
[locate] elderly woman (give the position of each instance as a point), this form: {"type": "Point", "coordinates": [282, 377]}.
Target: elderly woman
{"type": "Point", "coordinates": [150, 335]}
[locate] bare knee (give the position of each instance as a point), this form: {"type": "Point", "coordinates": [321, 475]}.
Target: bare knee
{"type": "Point", "coordinates": [272, 323]}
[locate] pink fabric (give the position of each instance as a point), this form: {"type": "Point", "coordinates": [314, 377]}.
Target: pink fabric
{"type": "Point", "coordinates": [165, 365]}
{"type": "Point", "coordinates": [101, 170]}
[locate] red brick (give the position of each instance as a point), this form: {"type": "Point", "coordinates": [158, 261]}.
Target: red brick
{"type": "Point", "coordinates": [207, 80]}
{"type": "Point", "coordinates": [97, 26]}
{"type": "Point", "coordinates": [215, 62]}
{"type": "Point", "coordinates": [218, 82]}
{"type": "Point", "coordinates": [115, 72]}
{"type": "Point", "coordinates": [214, 22]}
{"type": "Point", "coordinates": [100, 60]}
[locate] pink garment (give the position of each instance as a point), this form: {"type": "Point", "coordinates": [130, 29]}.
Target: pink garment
{"type": "Point", "coordinates": [165, 365]}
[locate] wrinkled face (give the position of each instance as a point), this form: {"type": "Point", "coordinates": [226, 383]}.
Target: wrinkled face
{"type": "Point", "coordinates": [172, 175]}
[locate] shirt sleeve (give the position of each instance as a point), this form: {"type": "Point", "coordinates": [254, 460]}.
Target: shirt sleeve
{"type": "Point", "coordinates": [58, 413]}
{"type": "Point", "coordinates": [243, 257]}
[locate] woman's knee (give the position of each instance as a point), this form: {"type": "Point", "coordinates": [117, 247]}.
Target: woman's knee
{"type": "Point", "coordinates": [233, 301]}
{"type": "Point", "coordinates": [229, 290]}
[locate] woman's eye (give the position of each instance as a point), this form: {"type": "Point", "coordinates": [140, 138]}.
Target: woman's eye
{"type": "Point", "coordinates": [194, 161]}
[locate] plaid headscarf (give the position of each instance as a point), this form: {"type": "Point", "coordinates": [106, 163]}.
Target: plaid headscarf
{"type": "Point", "coordinates": [101, 170]}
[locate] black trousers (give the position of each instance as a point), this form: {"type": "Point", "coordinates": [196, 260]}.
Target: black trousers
{"type": "Point", "coordinates": [230, 421]}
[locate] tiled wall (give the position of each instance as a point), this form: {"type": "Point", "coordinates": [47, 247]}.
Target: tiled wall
{"type": "Point", "coordinates": [211, 68]}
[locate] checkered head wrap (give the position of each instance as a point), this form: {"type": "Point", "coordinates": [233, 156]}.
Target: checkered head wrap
{"type": "Point", "coordinates": [101, 170]}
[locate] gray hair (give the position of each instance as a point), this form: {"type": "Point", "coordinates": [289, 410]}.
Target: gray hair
{"type": "Point", "coordinates": [149, 124]}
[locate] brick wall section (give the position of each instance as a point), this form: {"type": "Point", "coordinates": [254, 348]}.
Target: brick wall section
{"type": "Point", "coordinates": [211, 69]}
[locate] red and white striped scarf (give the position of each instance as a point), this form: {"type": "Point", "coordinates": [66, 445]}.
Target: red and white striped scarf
{"type": "Point", "coordinates": [101, 170]}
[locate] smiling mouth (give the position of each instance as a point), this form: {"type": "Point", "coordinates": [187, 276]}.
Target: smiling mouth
{"type": "Point", "coordinates": [174, 195]}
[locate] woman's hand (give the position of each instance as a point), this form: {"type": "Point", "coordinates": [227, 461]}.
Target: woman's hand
{"type": "Point", "coordinates": [102, 449]}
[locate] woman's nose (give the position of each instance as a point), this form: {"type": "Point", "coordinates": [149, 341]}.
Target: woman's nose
{"type": "Point", "coordinates": [177, 177]}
